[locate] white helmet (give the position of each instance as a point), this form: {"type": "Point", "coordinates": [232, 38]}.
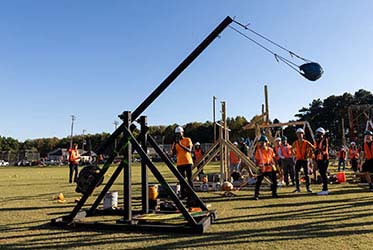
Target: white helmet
{"type": "Point", "coordinates": [353, 143]}
{"type": "Point", "coordinates": [235, 143]}
{"type": "Point", "coordinates": [197, 144]}
{"type": "Point", "coordinates": [320, 130]}
{"type": "Point", "coordinates": [179, 129]}
{"type": "Point", "coordinates": [278, 139]}
{"type": "Point", "coordinates": [300, 130]}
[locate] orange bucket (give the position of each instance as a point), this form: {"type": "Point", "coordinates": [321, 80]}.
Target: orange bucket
{"type": "Point", "coordinates": [153, 192]}
{"type": "Point", "coordinates": [341, 177]}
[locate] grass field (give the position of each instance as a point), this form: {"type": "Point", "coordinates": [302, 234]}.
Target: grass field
{"type": "Point", "coordinates": [342, 220]}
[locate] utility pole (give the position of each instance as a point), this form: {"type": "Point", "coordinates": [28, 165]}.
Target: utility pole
{"type": "Point", "coordinates": [84, 142]}
{"type": "Point", "coordinates": [72, 130]}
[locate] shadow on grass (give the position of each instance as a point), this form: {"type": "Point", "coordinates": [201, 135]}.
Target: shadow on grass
{"type": "Point", "coordinates": [310, 219]}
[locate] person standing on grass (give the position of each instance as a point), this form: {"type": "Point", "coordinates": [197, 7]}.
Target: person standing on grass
{"type": "Point", "coordinates": [287, 162]}
{"type": "Point", "coordinates": [197, 155]}
{"type": "Point", "coordinates": [342, 157]}
{"type": "Point", "coordinates": [354, 156]}
{"type": "Point", "coordinates": [234, 160]}
{"type": "Point", "coordinates": [301, 148]}
{"type": "Point", "coordinates": [182, 148]}
{"type": "Point", "coordinates": [322, 158]}
{"type": "Point", "coordinates": [264, 158]}
{"type": "Point", "coordinates": [278, 161]}
{"type": "Point", "coordinates": [367, 167]}
{"type": "Point", "coordinates": [74, 158]}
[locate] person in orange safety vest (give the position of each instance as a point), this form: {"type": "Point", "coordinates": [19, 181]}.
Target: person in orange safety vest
{"type": "Point", "coordinates": [301, 149]}
{"type": "Point", "coordinates": [264, 158]}
{"type": "Point", "coordinates": [367, 167]}
{"type": "Point", "coordinates": [354, 156]}
{"type": "Point", "coordinates": [342, 157]}
{"type": "Point", "coordinates": [182, 148]}
{"type": "Point", "coordinates": [234, 160]}
{"type": "Point", "coordinates": [287, 162]}
{"type": "Point", "coordinates": [197, 155]}
{"type": "Point", "coordinates": [74, 158]}
{"type": "Point", "coordinates": [280, 170]}
{"type": "Point", "coordinates": [322, 158]}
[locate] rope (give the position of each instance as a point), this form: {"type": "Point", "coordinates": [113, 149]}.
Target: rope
{"type": "Point", "coordinates": [277, 57]}
{"type": "Point", "coordinates": [270, 41]}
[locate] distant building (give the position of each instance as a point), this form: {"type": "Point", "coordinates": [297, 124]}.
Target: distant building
{"type": "Point", "coordinates": [59, 154]}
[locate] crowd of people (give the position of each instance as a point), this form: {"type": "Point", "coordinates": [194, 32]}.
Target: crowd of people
{"type": "Point", "coordinates": [282, 163]}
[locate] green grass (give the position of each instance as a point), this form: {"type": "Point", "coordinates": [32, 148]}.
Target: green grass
{"type": "Point", "coordinates": [342, 220]}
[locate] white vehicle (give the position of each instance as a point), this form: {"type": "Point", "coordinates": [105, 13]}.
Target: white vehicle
{"type": "Point", "coordinates": [4, 163]}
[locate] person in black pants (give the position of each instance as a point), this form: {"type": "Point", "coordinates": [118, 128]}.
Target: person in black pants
{"type": "Point", "coordinates": [182, 148]}
{"type": "Point", "coordinates": [74, 158]}
{"type": "Point", "coordinates": [301, 149]}
{"type": "Point", "coordinates": [322, 158]}
{"type": "Point", "coordinates": [264, 158]}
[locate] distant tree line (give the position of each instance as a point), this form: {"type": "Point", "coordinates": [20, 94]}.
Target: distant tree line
{"type": "Point", "coordinates": [329, 113]}
{"type": "Point", "coordinates": [325, 113]}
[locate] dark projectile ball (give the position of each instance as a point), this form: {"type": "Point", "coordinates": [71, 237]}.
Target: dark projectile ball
{"type": "Point", "coordinates": [312, 71]}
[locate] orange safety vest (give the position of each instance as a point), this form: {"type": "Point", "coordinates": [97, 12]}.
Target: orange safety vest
{"type": "Point", "coordinates": [300, 150]}
{"type": "Point", "coordinates": [285, 150]}
{"type": "Point", "coordinates": [277, 157]}
{"type": "Point", "coordinates": [368, 152]}
{"type": "Point", "coordinates": [198, 154]}
{"type": "Point", "coordinates": [342, 154]}
{"type": "Point", "coordinates": [183, 157]}
{"type": "Point", "coordinates": [233, 158]}
{"type": "Point", "coordinates": [264, 158]}
{"type": "Point", "coordinates": [354, 153]}
{"type": "Point", "coordinates": [74, 156]}
{"type": "Point", "coordinates": [323, 153]}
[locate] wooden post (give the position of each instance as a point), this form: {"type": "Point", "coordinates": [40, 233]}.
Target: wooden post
{"type": "Point", "coordinates": [266, 104]}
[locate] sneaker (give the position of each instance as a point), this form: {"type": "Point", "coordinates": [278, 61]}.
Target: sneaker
{"type": "Point", "coordinates": [324, 192]}
{"type": "Point", "coordinates": [296, 191]}
{"type": "Point", "coordinates": [309, 190]}
{"type": "Point", "coordinates": [256, 198]}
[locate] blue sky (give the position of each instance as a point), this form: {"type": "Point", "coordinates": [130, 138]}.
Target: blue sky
{"type": "Point", "coordinates": [96, 59]}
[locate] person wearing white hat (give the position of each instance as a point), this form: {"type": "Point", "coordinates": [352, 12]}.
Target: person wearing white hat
{"type": "Point", "coordinates": [234, 160]}
{"type": "Point", "coordinates": [301, 149]}
{"type": "Point", "coordinates": [182, 148]}
{"type": "Point", "coordinates": [264, 158]}
{"type": "Point", "coordinates": [287, 161]}
{"type": "Point", "coordinates": [354, 156]}
{"type": "Point", "coordinates": [342, 157]}
{"type": "Point", "coordinates": [322, 158]}
{"type": "Point", "coordinates": [197, 155]}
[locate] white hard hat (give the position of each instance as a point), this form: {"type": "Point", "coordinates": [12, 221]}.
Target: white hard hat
{"type": "Point", "coordinates": [197, 144]}
{"type": "Point", "coordinates": [235, 143]}
{"type": "Point", "coordinates": [353, 143]}
{"type": "Point", "coordinates": [320, 130]}
{"type": "Point", "coordinates": [179, 129]}
{"type": "Point", "coordinates": [278, 139]}
{"type": "Point", "coordinates": [300, 130]}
